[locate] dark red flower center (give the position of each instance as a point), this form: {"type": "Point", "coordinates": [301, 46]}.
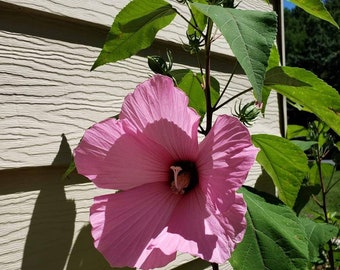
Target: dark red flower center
{"type": "Point", "coordinates": [183, 177]}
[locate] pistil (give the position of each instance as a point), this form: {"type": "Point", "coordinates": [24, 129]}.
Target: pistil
{"type": "Point", "coordinates": [181, 180]}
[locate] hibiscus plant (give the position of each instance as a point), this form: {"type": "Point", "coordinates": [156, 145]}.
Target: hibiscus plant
{"type": "Point", "coordinates": [180, 167]}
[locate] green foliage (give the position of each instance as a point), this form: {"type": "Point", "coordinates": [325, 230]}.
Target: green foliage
{"type": "Point", "coordinates": [316, 8]}
{"type": "Point", "coordinates": [191, 84]}
{"type": "Point", "coordinates": [69, 170]}
{"type": "Point", "coordinates": [304, 145]}
{"type": "Point", "coordinates": [274, 239]}
{"type": "Point", "coordinates": [273, 61]}
{"type": "Point", "coordinates": [327, 171]}
{"type": "Point", "coordinates": [307, 90]}
{"type": "Point", "coordinates": [296, 131]}
{"type": "Point", "coordinates": [250, 35]}
{"type": "Point", "coordinates": [198, 19]}
{"type": "Point", "coordinates": [284, 162]}
{"type": "Point", "coordinates": [134, 29]}
{"type": "Point", "coordinates": [318, 234]}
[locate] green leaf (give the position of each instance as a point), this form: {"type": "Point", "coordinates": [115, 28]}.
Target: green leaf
{"type": "Point", "coordinates": [197, 18]}
{"type": "Point", "coordinates": [306, 89]}
{"type": "Point", "coordinates": [134, 29]}
{"type": "Point", "coordinates": [285, 162]}
{"type": "Point", "coordinates": [317, 234]}
{"type": "Point", "coordinates": [327, 171]}
{"type": "Point", "coordinates": [274, 238]}
{"type": "Point", "coordinates": [316, 8]}
{"type": "Point", "coordinates": [296, 131]}
{"type": "Point", "coordinates": [250, 35]}
{"type": "Point", "coordinates": [337, 145]}
{"type": "Point", "coordinates": [273, 61]}
{"type": "Point", "coordinates": [304, 145]}
{"type": "Point", "coordinates": [69, 170]}
{"type": "Point", "coordinates": [191, 84]}
{"type": "Point", "coordinates": [274, 58]}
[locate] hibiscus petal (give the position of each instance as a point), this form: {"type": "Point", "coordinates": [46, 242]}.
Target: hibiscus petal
{"type": "Point", "coordinates": [195, 229]}
{"type": "Point", "coordinates": [123, 224]}
{"type": "Point", "coordinates": [113, 156]}
{"type": "Point", "coordinates": [156, 99]}
{"type": "Point", "coordinates": [93, 147]}
{"type": "Point", "coordinates": [177, 142]}
{"type": "Point", "coordinates": [225, 157]}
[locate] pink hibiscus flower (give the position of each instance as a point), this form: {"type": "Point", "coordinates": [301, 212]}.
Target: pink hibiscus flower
{"type": "Point", "coordinates": [177, 195]}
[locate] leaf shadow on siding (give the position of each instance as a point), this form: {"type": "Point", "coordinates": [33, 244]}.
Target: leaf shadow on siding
{"type": "Point", "coordinates": [51, 229]}
{"type": "Point", "coordinates": [84, 256]}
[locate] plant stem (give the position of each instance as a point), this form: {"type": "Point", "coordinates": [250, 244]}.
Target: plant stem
{"type": "Point", "coordinates": [232, 98]}
{"type": "Point", "coordinates": [324, 207]}
{"type": "Point", "coordinates": [189, 22]}
{"type": "Point", "coordinates": [226, 86]}
{"type": "Point", "coordinates": [209, 109]}
{"type": "Point", "coordinates": [214, 266]}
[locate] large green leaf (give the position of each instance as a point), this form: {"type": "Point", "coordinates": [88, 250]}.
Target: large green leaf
{"type": "Point", "coordinates": [250, 35]}
{"type": "Point", "coordinates": [274, 239]}
{"type": "Point", "coordinates": [316, 8]}
{"type": "Point", "coordinates": [306, 89]}
{"type": "Point", "coordinates": [317, 234]}
{"type": "Point", "coordinates": [191, 84]}
{"type": "Point", "coordinates": [285, 162]}
{"type": "Point", "coordinates": [134, 29]}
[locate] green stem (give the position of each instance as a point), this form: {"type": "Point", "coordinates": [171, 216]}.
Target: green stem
{"type": "Point", "coordinates": [232, 98]}
{"type": "Point", "coordinates": [324, 208]}
{"type": "Point", "coordinates": [194, 26]}
{"type": "Point", "coordinates": [226, 86]}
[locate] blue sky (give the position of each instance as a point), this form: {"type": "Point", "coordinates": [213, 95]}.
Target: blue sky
{"type": "Point", "coordinates": [288, 4]}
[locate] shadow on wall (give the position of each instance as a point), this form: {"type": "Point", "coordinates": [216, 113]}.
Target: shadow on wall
{"type": "Point", "coordinates": [84, 256]}
{"type": "Point", "coordinates": [50, 235]}
{"type": "Point", "coordinates": [51, 229]}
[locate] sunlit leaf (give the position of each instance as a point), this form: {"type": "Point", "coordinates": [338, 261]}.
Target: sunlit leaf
{"type": "Point", "coordinates": [191, 84]}
{"type": "Point", "coordinates": [250, 35]}
{"type": "Point", "coordinates": [316, 8]}
{"type": "Point", "coordinates": [273, 61]}
{"type": "Point", "coordinates": [296, 131]}
{"type": "Point", "coordinates": [274, 238]}
{"type": "Point", "coordinates": [134, 29]}
{"type": "Point", "coordinates": [306, 89]}
{"type": "Point", "coordinates": [285, 162]}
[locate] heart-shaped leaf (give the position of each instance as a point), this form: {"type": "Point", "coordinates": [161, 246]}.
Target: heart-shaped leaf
{"type": "Point", "coordinates": [250, 35]}
{"type": "Point", "coordinates": [274, 239]}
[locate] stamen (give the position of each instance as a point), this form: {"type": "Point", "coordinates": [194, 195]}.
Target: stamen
{"type": "Point", "coordinates": [181, 180]}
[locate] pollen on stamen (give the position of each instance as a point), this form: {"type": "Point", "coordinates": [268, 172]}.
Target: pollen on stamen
{"type": "Point", "coordinates": [183, 177]}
